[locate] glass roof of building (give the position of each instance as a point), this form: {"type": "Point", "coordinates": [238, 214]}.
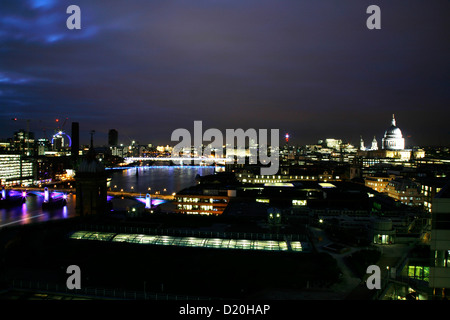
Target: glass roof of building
{"type": "Point", "coordinates": [86, 235]}
{"type": "Point", "coordinates": [267, 245]}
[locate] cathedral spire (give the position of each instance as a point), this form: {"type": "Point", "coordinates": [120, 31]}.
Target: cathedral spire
{"type": "Point", "coordinates": [374, 143]}
{"type": "Point", "coordinates": [393, 120]}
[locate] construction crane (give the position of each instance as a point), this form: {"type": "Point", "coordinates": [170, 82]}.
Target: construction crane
{"type": "Point", "coordinates": [60, 128]}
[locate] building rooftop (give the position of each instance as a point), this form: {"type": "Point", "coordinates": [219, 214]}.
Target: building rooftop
{"type": "Point", "coordinates": [444, 193]}
{"type": "Point", "coordinates": [214, 243]}
{"type": "Point", "coordinates": [403, 184]}
{"type": "Point", "coordinates": [246, 208]}
{"type": "Point", "coordinates": [434, 181]}
{"type": "Point", "coordinates": [206, 189]}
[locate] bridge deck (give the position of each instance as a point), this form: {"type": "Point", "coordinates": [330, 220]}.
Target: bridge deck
{"type": "Point", "coordinates": [111, 193]}
{"type": "Point", "coordinates": [178, 159]}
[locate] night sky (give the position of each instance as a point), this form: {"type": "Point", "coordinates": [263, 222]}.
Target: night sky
{"type": "Point", "coordinates": [148, 67]}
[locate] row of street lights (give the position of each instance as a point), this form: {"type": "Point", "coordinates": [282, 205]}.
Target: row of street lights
{"type": "Point", "coordinates": [132, 189]}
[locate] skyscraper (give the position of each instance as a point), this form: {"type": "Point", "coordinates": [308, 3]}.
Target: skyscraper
{"type": "Point", "coordinates": [113, 137]}
{"type": "Point", "coordinates": [75, 139]}
{"type": "Point", "coordinates": [24, 142]}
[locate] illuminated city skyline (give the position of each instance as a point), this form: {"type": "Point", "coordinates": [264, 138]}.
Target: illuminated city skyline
{"type": "Point", "coordinates": [146, 68]}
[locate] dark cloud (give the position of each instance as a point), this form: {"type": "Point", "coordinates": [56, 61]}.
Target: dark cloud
{"type": "Point", "coordinates": [310, 68]}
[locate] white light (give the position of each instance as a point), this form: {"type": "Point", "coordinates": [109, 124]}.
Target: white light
{"type": "Point", "coordinates": [148, 201]}
{"type": "Point", "coordinates": [46, 194]}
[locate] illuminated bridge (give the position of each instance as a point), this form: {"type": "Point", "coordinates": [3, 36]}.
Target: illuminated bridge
{"type": "Point", "coordinates": [179, 159]}
{"type": "Point", "coordinates": [59, 196]}
{"type": "Point", "coordinates": [10, 196]}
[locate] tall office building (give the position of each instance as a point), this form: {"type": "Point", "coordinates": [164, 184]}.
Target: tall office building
{"type": "Point", "coordinates": [24, 142]}
{"type": "Point", "coordinates": [75, 139]}
{"type": "Point", "coordinates": [15, 170]}
{"type": "Point", "coordinates": [113, 137]}
{"type": "Point", "coordinates": [440, 245]}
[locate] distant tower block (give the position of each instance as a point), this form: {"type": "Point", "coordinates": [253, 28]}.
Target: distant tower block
{"type": "Point", "coordinates": [113, 137]}
{"type": "Point", "coordinates": [75, 140]}
{"type": "Point", "coordinates": [91, 178]}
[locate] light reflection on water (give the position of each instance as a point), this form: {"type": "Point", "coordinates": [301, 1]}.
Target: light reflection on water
{"type": "Point", "coordinates": [25, 216]}
{"type": "Point", "coordinates": [171, 178]}
{"type": "Point", "coordinates": [31, 211]}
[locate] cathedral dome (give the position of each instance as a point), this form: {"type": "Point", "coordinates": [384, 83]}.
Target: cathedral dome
{"type": "Point", "coordinates": [393, 138]}
{"type": "Point", "coordinates": [393, 132]}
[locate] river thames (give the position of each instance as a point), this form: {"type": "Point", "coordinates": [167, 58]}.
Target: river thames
{"type": "Point", "coordinates": [154, 179]}
{"type": "Point", "coordinates": [163, 179]}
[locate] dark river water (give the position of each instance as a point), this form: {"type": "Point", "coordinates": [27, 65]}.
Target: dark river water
{"type": "Point", "coordinates": [162, 179]}
{"type": "Point", "coordinates": [165, 179]}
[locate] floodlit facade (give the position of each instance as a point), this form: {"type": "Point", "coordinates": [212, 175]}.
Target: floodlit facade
{"type": "Point", "coordinates": [405, 191]}
{"type": "Point", "coordinates": [251, 178]}
{"type": "Point", "coordinates": [201, 204]}
{"type": "Point", "coordinates": [377, 183]}
{"type": "Point", "coordinates": [392, 146]}
{"type": "Point", "coordinates": [393, 138]}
